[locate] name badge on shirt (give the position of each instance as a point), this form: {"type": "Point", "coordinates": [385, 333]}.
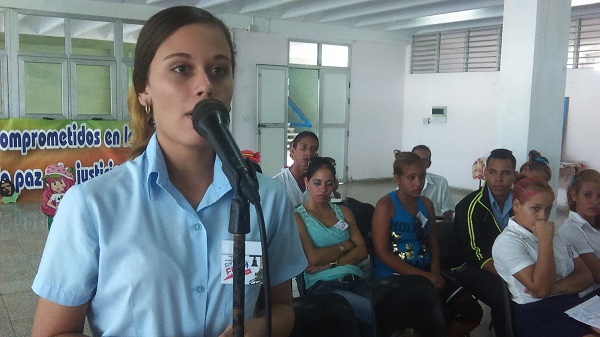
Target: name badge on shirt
{"type": "Point", "coordinates": [253, 266]}
{"type": "Point", "coordinates": [341, 225]}
{"type": "Point", "coordinates": [422, 218]}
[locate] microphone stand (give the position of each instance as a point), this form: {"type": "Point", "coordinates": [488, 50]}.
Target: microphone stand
{"type": "Point", "coordinates": [239, 226]}
{"type": "Point", "coordinates": [210, 119]}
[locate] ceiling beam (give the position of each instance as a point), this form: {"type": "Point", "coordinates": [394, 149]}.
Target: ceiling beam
{"type": "Point", "coordinates": [311, 8]}
{"type": "Point", "coordinates": [210, 3]}
{"type": "Point", "coordinates": [80, 27]}
{"type": "Point", "coordinates": [258, 5]}
{"type": "Point", "coordinates": [47, 24]}
{"type": "Point", "coordinates": [428, 10]}
{"type": "Point", "coordinates": [462, 16]}
{"type": "Point", "coordinates": [373, 9]}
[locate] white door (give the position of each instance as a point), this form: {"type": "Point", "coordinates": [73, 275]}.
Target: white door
{"type": "Point", "coordinates": [333, 117]}
{"type": "Point", "coordinates": [272, 117]}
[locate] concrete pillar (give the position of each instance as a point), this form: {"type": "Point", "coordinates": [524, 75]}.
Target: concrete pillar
{"type": "Point", "coordinates": [533, 73]}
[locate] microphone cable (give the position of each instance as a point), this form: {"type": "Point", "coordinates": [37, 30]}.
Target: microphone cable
{"type": "Point", "coordinates": [266, 268]}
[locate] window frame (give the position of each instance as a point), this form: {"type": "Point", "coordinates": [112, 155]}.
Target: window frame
{"type": "Point", "coordinates": [319, 64]}
{"type": "Point", "coordinates": [13, 89]}
{"type": "Point", "coordinates": [64, 82]}
{"type": "Point", "coordinates": [73, 89]}
{"type": "Point", "coordinates": [431, 47]}
{"type": "Point", "coordinates": [575, 29]}
{"type": "Point", "coordinates": [4, 78]}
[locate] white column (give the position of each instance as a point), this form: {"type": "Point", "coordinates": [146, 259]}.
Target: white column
{"type": "Point", "coordinates": [533, 73]}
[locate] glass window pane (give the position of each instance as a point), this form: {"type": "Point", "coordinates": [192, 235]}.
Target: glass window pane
{"type": "Point", "coordinates": [129, 77]}
{"type": "Point", "coordinates": [92, 38]}
{"type": "Point", "coordinates": [335, 56]}
{"type": "Point", "coordinates": [2, 32]}
{"type": "Point", "coordinates": [41, 34]}
{"type": "Point", "coordinates": [130, 36]}
{"type": "Point", "coordinates": [303, 53]}
{"type": "Point", "coordinates": [93, 90]}
{"type": "Point", "coordinates": [43, 88]}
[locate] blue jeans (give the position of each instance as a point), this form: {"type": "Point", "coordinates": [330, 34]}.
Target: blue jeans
{"type": "Point", "coordinates": [358, 295]}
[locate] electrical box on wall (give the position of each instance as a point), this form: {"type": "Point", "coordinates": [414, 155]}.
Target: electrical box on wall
{"type": "Point", "coordinates": [438, 114]}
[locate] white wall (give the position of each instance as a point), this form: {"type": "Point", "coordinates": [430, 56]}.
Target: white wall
{"type": "Point", "coordinates": [252, 49]}
{"type": "Point", "coordinates": [376, 105]}
{"type": "Point", "coordinates": [582, 142]}
{"type": "Point", "coordinates": [471, 100]}
{"type": "Point", "coordinates": [376, 96]}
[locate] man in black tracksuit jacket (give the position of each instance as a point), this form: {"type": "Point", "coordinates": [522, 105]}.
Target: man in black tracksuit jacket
{"type": "Point", "coordinates": [479, 218]}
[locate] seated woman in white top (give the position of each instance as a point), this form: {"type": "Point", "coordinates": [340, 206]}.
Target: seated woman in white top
{"type": "Point", "coordinates": [541, 271]}
{"type": "Point", "coordinates": [582, 229]}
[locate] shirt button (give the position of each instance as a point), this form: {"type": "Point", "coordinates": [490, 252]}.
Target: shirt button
{"type": "Point", "coordinates": [196, 226]}
{"type": "Point", "coordinates": [200, 289]}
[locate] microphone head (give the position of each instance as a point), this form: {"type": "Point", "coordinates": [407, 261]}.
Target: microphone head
{"type": "Point", "coordinates": [209, 112]}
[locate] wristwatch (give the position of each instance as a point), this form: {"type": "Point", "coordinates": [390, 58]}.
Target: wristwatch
{"type": "Point", "coordinates": [333, 264]}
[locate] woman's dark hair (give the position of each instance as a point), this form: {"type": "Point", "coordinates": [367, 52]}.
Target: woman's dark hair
{"type": "Point", "coordinates": [404, 160]}
{"type": "Point", "coordinates": [155, 31]}
{"type": "Point", "coordinates": [317, 163]}
{"type": "Point", "coordinates": [537, 163]}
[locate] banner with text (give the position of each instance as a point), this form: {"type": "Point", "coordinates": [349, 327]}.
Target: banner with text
{"type": "Point", "coordinates": [34, 152]}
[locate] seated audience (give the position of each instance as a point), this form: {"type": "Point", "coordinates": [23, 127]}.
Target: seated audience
{"type": "Point", "coordinates": [479, 219]}
{"type": "Point", "coordinates": [541, 271]}
{"type": "Point", "coordinates": [332, 243]}
{"type": "Point", "coordinates": [304, 146]}
{"type": "Point", "coordinates": [435, 187]}
{"type": "Point", "coordinates": [537, 166]}
{"type": "Point", "coordinates": [582, 229]}
{"type": "Point", "coordinates": [406, 248]}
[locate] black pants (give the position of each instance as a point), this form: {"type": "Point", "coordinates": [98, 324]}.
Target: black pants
{"type": "Point", "coordinates": [407, 301]}
{"type": "Point", "coordinates": [488, 288]}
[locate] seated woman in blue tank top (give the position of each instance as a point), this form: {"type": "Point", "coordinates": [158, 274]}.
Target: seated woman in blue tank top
{"type": "Point", "coordinates": [332, 243]}
{"type": "Point", "coordinates": [407, 253]}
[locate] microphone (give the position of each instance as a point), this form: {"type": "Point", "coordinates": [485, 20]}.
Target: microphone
{"type": "Point", "coordinates": [211, 120]}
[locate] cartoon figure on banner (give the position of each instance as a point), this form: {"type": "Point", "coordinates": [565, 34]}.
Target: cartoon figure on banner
{"type": "Point", "coordinates": [8, 191]}
{"type": "Point", "coordinates": [57, 180]}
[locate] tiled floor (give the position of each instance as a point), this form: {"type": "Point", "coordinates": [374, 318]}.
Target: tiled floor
{"type": "Point", "coordinates": [23, 233]}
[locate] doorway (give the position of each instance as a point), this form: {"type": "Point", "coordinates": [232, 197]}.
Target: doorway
{"type": "Point", "coordinates": [295, 99]}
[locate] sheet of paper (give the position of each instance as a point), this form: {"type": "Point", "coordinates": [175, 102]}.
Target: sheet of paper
{"type": "Point", "coordinates": [587, 312]}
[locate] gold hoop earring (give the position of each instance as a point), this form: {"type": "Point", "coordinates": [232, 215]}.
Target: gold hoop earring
{"type": "Point", "coordinates": [151, 122]}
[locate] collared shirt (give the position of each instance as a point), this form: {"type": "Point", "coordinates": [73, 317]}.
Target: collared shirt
{"type": "Point", "coordinates": [517, 248]}
{"type": "Point", "coordinates": [296, 195]}
{"type": "Point", "coordinates": [503, 215]}
{"type": "Point", "coordinates": [584, 239]}
{"type": "Point", "coordinates": [581, 235]}
{"type": "Point", "coordinates": [149, 264]}
{"type": "Point", "coordinates": [436, 189]}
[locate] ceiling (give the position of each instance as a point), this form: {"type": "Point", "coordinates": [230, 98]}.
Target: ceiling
{"type": "Point", "coordinates": [396, 19]}
{"type": "Point", "coordinates": [403, 18]}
